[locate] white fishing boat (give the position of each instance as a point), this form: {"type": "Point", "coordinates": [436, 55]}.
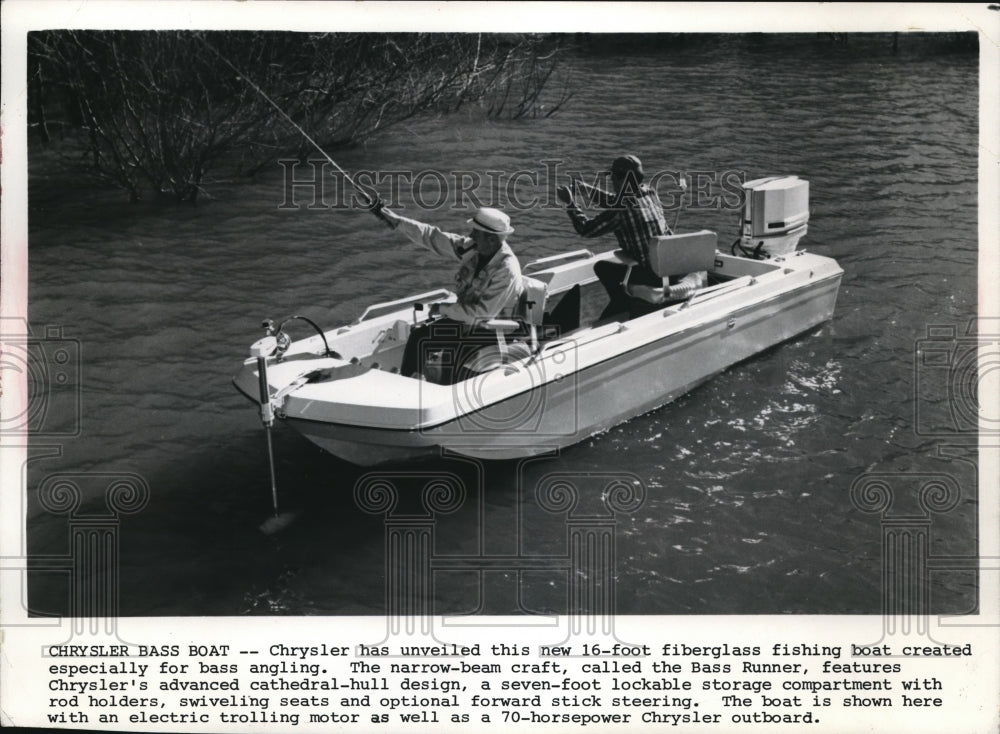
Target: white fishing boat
{"type": "Point", "coordinates": [547, 385]}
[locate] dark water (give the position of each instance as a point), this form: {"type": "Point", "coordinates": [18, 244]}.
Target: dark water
{"type": "Point", "coordinates": [747, 506]}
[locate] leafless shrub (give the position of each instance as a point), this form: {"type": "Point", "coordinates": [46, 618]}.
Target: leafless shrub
{"type": "Point", "coordinates": [160, 110]}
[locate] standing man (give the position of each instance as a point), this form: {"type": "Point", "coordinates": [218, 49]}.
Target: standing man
{"type": "Point", "coordinates": [635, 215]}
{"type": "Point", "coordinates": [487, 285]}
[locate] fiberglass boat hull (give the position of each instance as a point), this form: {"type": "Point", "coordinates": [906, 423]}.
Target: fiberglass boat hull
{"type": "Point", "coordinates": [578, 386]}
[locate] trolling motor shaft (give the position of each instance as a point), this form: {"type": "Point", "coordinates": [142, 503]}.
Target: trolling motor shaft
{"type": "Point", "coordinates": [261, 350]}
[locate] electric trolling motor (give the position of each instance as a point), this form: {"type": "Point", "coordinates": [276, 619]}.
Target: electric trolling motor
{"type": "Point", "coordinates": [261, 350]}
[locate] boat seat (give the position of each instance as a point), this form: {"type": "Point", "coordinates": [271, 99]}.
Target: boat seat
{"type": "Point", "coordinates": [671, 256]}
{"type": "Point", "coordinates": [680, 254]}
{"type": "Point", "coordinates": [530, 312]}
{"type": "Point", "coordinates": [530, 315]}
{"type": "Point", "coordinates": [536, 293]}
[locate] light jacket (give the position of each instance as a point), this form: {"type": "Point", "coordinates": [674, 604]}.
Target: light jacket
{"type": "Point", "coordinates": [491, 293]}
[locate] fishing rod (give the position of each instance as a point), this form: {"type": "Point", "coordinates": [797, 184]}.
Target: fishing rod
{"type": "Point", "coordinates": [285, 115]}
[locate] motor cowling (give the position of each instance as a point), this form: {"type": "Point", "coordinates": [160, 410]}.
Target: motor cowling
{"type": "Point", "coordinates": [775, 214]}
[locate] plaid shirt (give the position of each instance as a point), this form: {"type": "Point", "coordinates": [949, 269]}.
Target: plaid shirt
{"type": "Point", "coordinates": [635, 218]}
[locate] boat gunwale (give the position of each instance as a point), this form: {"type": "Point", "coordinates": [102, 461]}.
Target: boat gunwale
{"type": "Point", "coordinates": [678, 334]}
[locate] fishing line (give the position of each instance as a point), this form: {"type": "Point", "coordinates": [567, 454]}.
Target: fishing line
{"type": "Point", "coordinates": [262, 349]}
{"type": "Point", "coordinates": [285, 115]}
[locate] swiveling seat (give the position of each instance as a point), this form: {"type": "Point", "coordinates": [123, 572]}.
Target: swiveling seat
{"type": "Point", "coordinates": [690, 254]}
{"type": "Point", "coordinates": [680, 254]}
{"type": "Point", "coordinates": [530, 313]}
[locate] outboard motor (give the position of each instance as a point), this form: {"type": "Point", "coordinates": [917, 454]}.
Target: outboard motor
{"type": "Point", "coordinates": [775, 215]}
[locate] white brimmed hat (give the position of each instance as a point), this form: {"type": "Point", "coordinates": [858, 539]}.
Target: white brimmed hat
{"type": "Point", "coordinates": [491, 220]}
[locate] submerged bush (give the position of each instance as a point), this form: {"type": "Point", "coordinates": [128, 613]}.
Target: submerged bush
{"type": "Point", "coordinates": [158, 110]}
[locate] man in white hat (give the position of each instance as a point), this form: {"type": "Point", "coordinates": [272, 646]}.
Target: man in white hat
{"type": "Point", "coordinates": [488, 282]}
